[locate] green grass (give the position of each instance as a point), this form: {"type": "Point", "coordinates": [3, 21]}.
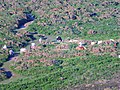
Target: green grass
{"type": "Point", "coordinates": [76, 71]}
{"type": "Point", "coordinates": [7, 65]}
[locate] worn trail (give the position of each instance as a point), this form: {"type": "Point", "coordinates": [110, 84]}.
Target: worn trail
{"type": "Point", "coordinates": [7, 64]}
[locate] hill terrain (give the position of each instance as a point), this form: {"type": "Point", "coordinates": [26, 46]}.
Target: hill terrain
{"type": "Point", "coordinates": [87, 57]}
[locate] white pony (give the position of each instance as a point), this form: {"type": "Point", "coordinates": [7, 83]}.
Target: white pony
{"type": "Point", "coordinates": [93, 43]}
{"type": "Point", "coordinates": [118, 56]}
{"type": "Point", "coordinates": [80, 44]}
{"type": "Point", "coordinates": [40, 40]}
{"type": "Point", "coordinates": [33, 45]}
{"type": "Point", "coordinates": [99, 42]}
{"type": "Point", "coordinates": [5, 47]}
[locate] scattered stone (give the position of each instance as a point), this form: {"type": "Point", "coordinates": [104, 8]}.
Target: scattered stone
{"type": "Point", "coordinates": [113, 54]}
{"type": "Point", "coordinates": [116, 3]}
{"type": "Point", "coordinates": [95, 50]}
{"type": "Point", "coordinates": [44, 45]}
{"type": "Point", "coordinates": [93, 14]}
{"type": "Point", "coordinates": [74, 17]}
{"type": "Point", "coordinates": [107, 89]}
{"type": "Point", "coordinates": [80, 48]}
{"type": "Point", "coordinates": [57, 62]}
{"type": "Point", "coordinates": [62, 46]}
{"type": "Point", "coordinates": [73, 41]}
{"type": "Point", "coordinates": [92, 32]}
{"type": "Point", "coordinates": [112, 40]}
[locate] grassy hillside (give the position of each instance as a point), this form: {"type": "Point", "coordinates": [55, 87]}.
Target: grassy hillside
{"type": "Point", "coordinates": [54, 65]}
{"type": "Point", "coordinates": [72, 72]}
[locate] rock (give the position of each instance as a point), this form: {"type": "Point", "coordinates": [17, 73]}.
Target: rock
{"type": "Point", "coordinates": [73, 41]}
{"type": "Point", "coordinates": [116, 3]}
{"type": "Point", "coordinates": [62, 46]}
{"type": "Point", "coordinates": [107, 42]}
{"type": "Point", "coordinates": [96, 50]}
{"type": "Point", "coordinates": [92, 32]}
{"type": "Point", "coordinates": [88, 42]}
{"type": "Point", "coordinates": [113, 54]}
{"type": "Point", "coordinates": [8, 74]}
{"type": "Point", "coordinates": [74, 17]}
{"type": "Point", "coordinates": [112, 40]}
{"type": "Point", "coordinates": [57, 62]}
{"type": "Point", "coordinates": [80, 48]}
{"type": "Point", "coordinates": [107, 89]}
{"type": "Point", "coordinates": [93, 14]}
{"type": "Point", "coordinates": [44, 45]}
